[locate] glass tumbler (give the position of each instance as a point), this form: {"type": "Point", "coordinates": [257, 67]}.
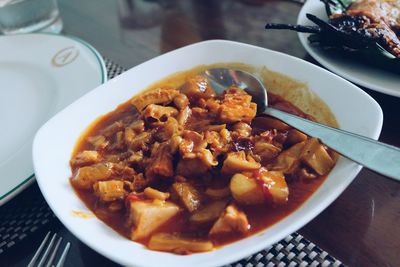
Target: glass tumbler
{"type": "Point", "coordinates": [24, 16]}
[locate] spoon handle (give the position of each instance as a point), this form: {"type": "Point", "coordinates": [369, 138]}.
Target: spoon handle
{"type": "Point", "coordinates": [377, 156]}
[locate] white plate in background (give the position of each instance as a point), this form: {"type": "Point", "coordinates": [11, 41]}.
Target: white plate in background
{"type": "Point", "coordinates": [358, 72]}
{"type": "Point", "coordinates": [54, 143]}
{"type": "Point", "coordinates": [40, 74]}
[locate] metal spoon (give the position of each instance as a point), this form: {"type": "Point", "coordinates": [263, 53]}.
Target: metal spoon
{"type": "Point", "coordinates": [377, 156]}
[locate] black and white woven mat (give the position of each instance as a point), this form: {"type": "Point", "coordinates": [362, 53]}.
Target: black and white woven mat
{"type": "Point", "coordinates": [24, 216]}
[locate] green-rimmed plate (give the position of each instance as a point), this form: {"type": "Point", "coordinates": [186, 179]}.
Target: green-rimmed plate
{"type": "Point", "coordinates": [40, 74]}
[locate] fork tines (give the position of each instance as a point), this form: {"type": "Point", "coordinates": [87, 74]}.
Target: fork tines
{"type": "Point", "coordinates": [49, 254]}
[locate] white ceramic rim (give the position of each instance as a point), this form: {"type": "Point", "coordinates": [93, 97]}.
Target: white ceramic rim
{"type": "Point", "coordinates": [29, 180]}
{"type": "Point", "coordinates": [222, 255]}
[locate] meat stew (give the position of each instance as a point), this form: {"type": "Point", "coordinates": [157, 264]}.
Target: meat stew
{"type": "Point", "coordinates": [183, 170]}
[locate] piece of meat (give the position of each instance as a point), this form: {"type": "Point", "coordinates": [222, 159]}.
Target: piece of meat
{"type": "Point", "coordinates": [108, 191]}
{"type": "Point", "coordinates": [160, 162]}
{"type": "Point", "coordinates": [236, 107]}
{"type": "Point", "coordinates": [289, 160]}
{"type": "Point", "coordinates": [209, 213]}
{"type": "Point", "coordinates": [219, 141]}
{"type": "Point", "coordinates": [137, 126]}
{"type": "Point", "coordinates": [191, 167]}
{"type": "Point", "coordinates": [86, 157]}
{"type": "Point", "coordinates": [265, 150]}
{"type": "Point", "coordinates": [181, 101]}
{"type": "Point", "coordinates": [218, 193]}
{"type": "Point", "coordinates": [166, 130]}
{"type": "Point", "coordinates": [112, 129]}
{"type": "Point", "coordinates": [187, 194]}
{"type": "Point", "coordinates": [193, 146]}
{"type": "Point", "coordinates": [158, 112]}
{"type": "Point", "coordinates": [237, 162]}
{"type": "Point", "coordinates": [139, 182]}
{"type": "Point", "coordinates": [140, 141]}
{"type": "Point", "coordinates": [196, 88]}
{"type": "Point", "coordinates": [157, 96]}
{"type": "Point", "coordinates": [99, 142]}
{"type": "Point", "coordinates": [86, 176]}
{"type": "Point", "coordinates": [242, 129]}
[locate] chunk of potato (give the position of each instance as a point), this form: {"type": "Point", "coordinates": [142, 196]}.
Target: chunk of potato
{"type": "Point", "coordinates": [232, 220]}
{"type": "Point", "coordinates": [148, 216]}
{"type": "Point", "coordinates": [246, 190]}
{"type": "Point", "coordinates": [275, 183]}
{"type": "Point", "coordinates": [86, 176]}
{"type": "Point", "coordinates": [315, 156]}
{"type": "Point", "coordinates": [268, 186]}
{"type": "Point", "coordinates": [177, 244]}
{"type": "Point", "coordinates": [209, 213]}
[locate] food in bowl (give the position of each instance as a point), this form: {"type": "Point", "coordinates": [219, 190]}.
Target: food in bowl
{"type": "Point", "coordinates": [181, 169]}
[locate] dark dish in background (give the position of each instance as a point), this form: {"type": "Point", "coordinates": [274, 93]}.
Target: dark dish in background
{"type": "Point", "coordinates": [368, 30]}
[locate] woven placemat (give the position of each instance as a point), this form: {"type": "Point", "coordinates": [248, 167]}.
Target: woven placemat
{"type": "Point", "coordinates": [29, 213]}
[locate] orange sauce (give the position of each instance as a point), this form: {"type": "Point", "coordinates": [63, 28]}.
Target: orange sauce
{"type": "Point", "coordinates": [260, 216]}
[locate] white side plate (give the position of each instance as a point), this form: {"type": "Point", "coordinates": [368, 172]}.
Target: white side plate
{"type": "Point", "coordinates": [40, 74]}
{"type": "Point", "coordinates": [360, 73]}
{"type": "Point", "coordinates": [54, 142]}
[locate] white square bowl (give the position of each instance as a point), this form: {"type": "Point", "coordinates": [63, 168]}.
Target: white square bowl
{"type": "Point", "coordinates": [54, 143]}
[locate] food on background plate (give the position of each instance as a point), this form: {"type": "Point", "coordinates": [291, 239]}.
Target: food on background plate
{"type": "Point", "coordinates": [367, 29]}
{"type": "Point", "coordinates": [181, 169]}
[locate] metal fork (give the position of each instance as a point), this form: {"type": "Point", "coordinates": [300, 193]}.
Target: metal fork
{"type": "Point", "coordinates": [50, 253]}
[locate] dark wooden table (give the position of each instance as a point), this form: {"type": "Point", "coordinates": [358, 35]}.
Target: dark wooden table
{"type": "Point", "coordinates": [362, 227]}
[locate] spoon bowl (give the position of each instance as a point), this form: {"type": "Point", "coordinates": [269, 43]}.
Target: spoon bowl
{"type": "Point", "coordinates": [377, 156]}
